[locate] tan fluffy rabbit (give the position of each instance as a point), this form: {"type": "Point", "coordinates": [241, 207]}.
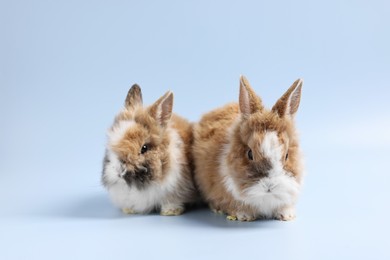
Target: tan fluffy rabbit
{"type": "Point", "coordinates": [147, 160]}
{"type": "Point", "coordinates": [247, 158]}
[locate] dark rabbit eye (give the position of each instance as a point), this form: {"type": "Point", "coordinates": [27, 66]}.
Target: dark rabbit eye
{"type": "Point", "coordinates": [144, 148]}
{"type": "Point", "coordinates": [250, 155]}
{"type": "Point", "coordinates": [122, 161]}
{"type": "Point", "coordinates": [286, 156]}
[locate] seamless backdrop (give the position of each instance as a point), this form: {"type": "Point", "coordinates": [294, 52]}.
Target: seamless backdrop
{"type": "Point", "coordinates": [66, 66]}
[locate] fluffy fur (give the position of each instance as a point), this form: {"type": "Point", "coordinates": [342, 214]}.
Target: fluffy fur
{"type": "Point", "coordinates": [247, 158]}
{"type": "Point", "coordinates": [147, 164]}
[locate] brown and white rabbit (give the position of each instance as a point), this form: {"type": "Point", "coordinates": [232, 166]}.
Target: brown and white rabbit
{"type": "Point", "coordinates": [247, 158]}
{"type": "Point", "coordinates": [147, 165]}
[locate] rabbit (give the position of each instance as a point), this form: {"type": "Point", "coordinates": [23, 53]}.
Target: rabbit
{"type": "Point", "coordinates": [147, 164]}
{"type": "Point", "coordinates": [248, 163]}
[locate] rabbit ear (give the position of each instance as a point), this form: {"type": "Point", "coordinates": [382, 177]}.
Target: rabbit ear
{"type": "Point", "coordinates": [248, 100]}
{"type": "Point", "coordinates": [161, 110]}
{"type": "Point", "coordinates": [288, 104]}
{"type": "Point", "coordinates": [134, 97]}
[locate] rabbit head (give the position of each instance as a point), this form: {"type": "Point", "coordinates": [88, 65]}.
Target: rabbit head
{"type": "Point", "coordinates": [138, 141]}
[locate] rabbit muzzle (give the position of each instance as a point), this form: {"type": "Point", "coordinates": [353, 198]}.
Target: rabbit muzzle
{"type": "Point", "coordinates": [138, 177]}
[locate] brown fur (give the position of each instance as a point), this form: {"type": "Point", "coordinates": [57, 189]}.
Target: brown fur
{"type": "Point", "coordinates": [209, 138]}
{"type": "Point", "coordinates": [250, 121]}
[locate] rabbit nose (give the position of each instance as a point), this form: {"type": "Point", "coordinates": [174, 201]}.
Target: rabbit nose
{"type": "Point", "coordinates": [129, 173]}
{"type": "Point", "coordinates": [142, 170]}
{"type": "Point", "coordinates": [264, 174]}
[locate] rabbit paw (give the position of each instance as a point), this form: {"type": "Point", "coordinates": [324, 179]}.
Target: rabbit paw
{"type": "Point", "coordinates": [171, 210]}
{"type": "Point", "coordinates": [128, 211]}
{"type": "Point", "coordinates": [217, 211]}
{"type": "Point", "coordinates": [285, 214]}
{"type": "Point", "coordinates": [241, 217]}
{"type": "Point", "coordinates": [245, 217]}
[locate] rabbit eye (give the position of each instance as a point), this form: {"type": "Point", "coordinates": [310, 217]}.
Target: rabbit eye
{"type": "Point", "coordinates": [122, 161]}
{"type": "Point", "coordinates": [250, 155]}
{"type": "Point", "coordinates": [144, 148]}
{"type": "Point", "coordinates": [286, 156]}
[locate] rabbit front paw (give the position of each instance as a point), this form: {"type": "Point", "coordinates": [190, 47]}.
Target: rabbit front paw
{"type": "Point", "coordinates": [241, 216]}
{"type": "Point", "coordinates": [285, 214]}
{"type": "Point", "coordinates": [128, 211]}
{"type": "Point", "coordinates": [171, 210]}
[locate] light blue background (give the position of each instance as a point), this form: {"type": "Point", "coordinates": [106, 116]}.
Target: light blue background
{"type": "Point", "coordinates": [66, 66]}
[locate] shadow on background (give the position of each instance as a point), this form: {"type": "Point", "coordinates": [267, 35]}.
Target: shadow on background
{"type": "Point", "coordinates": [98, 206]}
{"type": "Point", "coordinates": [204, 216]}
